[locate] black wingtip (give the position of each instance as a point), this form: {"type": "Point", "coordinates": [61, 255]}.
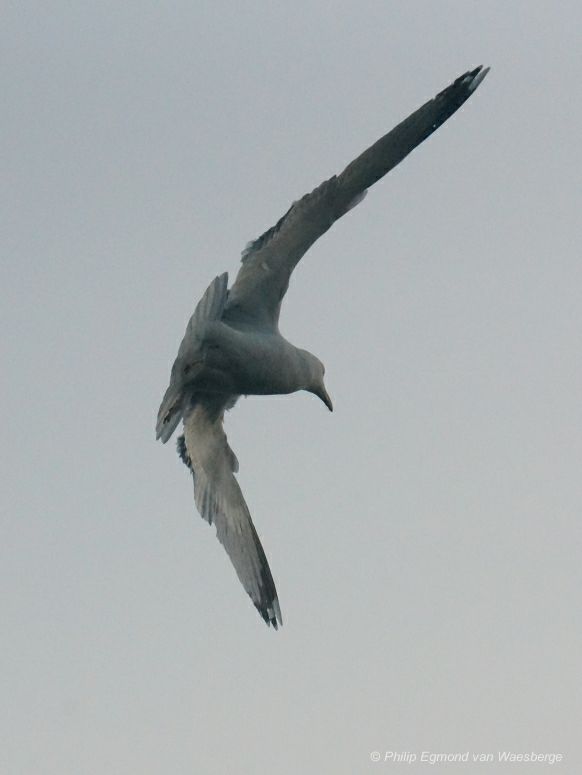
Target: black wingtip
{"type": "Point", "coordinates": [270, 611]}
{"type": "Point", "coordinates": [463, 86]}
{"type": "Point", "coordinates": [450, 99]}
{"type": "Point", "coordinates": [475, 77]}
{"type": "Point", "coordinates": [270, 616]}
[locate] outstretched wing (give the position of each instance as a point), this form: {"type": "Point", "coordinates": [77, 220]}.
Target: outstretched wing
{"type": "Point", "coordinates": [267, 263]}
{"type": "Point", "coordinates": [204, 448]}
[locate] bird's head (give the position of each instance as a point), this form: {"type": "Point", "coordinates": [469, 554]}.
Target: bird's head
{"type": "Point", "coordinates": [316, 384]}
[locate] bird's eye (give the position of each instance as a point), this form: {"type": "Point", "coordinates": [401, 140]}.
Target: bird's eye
{"type": "Point", "coordinates": [186, 369]}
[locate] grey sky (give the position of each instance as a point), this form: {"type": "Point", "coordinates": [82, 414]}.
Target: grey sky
{"type": "Point", "coordinates": [424, 538]}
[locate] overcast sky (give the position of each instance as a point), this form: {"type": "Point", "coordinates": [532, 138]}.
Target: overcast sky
{"type": "Point", "coordinates": [425, 537]}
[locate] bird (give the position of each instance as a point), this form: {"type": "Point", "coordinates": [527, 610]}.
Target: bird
{"type": "Point", "coordinates": [233, 347]}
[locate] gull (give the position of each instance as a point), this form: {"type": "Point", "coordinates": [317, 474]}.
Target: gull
{"type": "Point", "coordinates": [232, 346]}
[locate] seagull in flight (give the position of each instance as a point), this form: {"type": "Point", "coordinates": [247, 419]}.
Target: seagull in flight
{"type": "Point", "coordinates": [233, 347]}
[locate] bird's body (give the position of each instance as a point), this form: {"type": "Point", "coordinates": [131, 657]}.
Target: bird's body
{"type": "Point", "coordinates": [233, 346]}
{"type": "Point", "coordinates": [254, 363]}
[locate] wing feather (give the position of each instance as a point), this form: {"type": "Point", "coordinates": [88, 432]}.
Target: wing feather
{"type": "Point", "coordinates": [267, 262]}
{"type": "Point", "coordinates": [218, 497]}
{"type": "Point", "coordinates": [190, 354]}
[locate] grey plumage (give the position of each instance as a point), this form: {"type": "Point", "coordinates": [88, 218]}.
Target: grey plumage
{"type": "Point", "coordinates": [232, 345]}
